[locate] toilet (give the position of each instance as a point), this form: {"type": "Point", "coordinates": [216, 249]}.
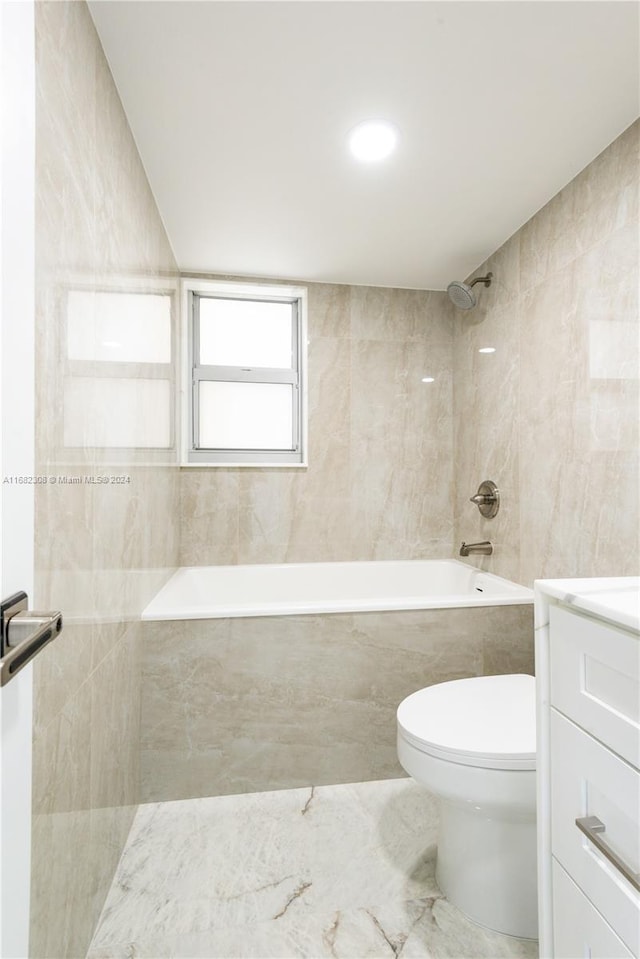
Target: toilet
{"type": "Point", "coordinates": [472, 742]}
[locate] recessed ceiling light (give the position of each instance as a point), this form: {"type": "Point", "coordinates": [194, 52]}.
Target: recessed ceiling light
{"type": "Point", "coordinates": [428, 379]}
{"type": "Point", "coordinates": [373, 140]}
{"type": "Point", "coordinates": [487, 349]}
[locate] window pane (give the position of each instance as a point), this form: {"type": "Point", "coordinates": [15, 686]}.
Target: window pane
{"type": "Point", "coordinates": [246, 416]}
{"type": "Point", "coordinates": [119, 327]}
{"type": "Point", "coordinates": [245, 333]}
{"type": "Point", "coordinates": [120, 413]}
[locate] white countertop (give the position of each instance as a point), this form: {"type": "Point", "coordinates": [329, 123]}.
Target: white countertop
{"type": "Point", "coordinates": [616, 599]}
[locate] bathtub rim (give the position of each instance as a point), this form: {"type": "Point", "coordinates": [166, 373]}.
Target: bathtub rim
{"type": "Point", "coordinates": [514, 594]}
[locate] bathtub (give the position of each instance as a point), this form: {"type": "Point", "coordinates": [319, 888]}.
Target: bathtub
{"type": "Point", "coordinates": [214, 592]}
{"type": "Point", "coordinates": [273, 677]}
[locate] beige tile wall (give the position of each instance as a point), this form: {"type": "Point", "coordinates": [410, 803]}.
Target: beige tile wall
{"type": "Point", "coordinates": [101, 550]}
{"type": "Point", "coordinates": [244, 705]}
{"type": "Point", "coordinates": [380, 477]}
{"type": "Point", "coordinates": [553, 415]}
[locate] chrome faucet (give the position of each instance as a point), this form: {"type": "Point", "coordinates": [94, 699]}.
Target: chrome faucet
{"type": "Point", "coordinates": [485, 548]}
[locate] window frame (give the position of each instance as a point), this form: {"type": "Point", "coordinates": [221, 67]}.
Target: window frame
{"type": "Point", "coordinates": [195, 373]}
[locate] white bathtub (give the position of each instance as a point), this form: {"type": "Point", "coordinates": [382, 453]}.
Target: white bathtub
{"type": "Point", "coordinates": [212, 592]}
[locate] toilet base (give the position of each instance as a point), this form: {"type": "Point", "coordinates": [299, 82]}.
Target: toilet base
{"type": "Point", "coordinates": [486, 866]}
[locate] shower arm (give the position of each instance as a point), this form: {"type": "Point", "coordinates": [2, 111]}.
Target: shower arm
{"type": "Point", "coordinates": [482, 279]}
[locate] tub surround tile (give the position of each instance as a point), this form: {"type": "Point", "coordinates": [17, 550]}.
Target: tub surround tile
{"type": "Point", "coordinates": [209, 501]}
{"type": "Point", "coordinates": [330, 311]}
{"type": "Point", "coordinates": [486, 439]}
{"type": "Point", "coordinates": [393, 315]}
{"type": "Point", "coordinates": [401, 449]}
{"type": "Point", "coordinates": [505, 283]}
{"type": "Point", "coordinates": [379, 479]}
{"type": "Point", "coordinates": [506, 647]}
{"type": "Point", "coordinates": [321, 525]}
{"type": "Point", "coordinates": [607, 536]}
{"type": "Point", "coordinates": [329, 411]}
{"type": "Point", "coordinates": [340, 871]}
{"type": "Point", "coordinates": [616, 166]}
{"type": "Point", "coordinates": [556, 433]}
{"type": "Point", "coordinates": [278, 702]}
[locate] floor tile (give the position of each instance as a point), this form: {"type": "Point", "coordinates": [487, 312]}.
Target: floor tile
{"type": "Point", "coordinates": [338, 871]}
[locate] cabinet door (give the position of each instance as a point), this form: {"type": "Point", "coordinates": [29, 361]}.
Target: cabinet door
{"type": "Point", "coordinates": [589, 780]}
{"type": "Point", "coordinates": [578, 928]}
{"type": "Point", "coordinates": [595, 679]}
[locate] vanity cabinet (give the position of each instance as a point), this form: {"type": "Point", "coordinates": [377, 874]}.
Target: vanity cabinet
{"type": "Point", "coordinates": [588, 713]}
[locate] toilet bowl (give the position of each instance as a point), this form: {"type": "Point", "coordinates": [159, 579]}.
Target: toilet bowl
{"type": "Point", "coordinates": [472, 742]}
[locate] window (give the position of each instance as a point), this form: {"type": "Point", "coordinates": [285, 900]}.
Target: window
{"type": "Point", "coordinates": [118, 387]}
{"type": "Point", "coordinates": [247, 346]}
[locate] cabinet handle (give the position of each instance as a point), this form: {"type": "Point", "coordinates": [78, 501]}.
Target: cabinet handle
{"type": "Point", "coordinates": [592, 828]}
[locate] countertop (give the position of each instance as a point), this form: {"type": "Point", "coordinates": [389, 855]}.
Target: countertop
{"type": "Point", "coordinates": [616, 599]}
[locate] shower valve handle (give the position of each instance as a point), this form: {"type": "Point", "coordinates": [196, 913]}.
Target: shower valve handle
{"type": "Point", "coordinates": [487, 499]}
{"type": "Point", "coordinates": [482, 499]}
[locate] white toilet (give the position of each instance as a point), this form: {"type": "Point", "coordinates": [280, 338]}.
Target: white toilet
{"type": "Point", "coordinates": [472, 742]}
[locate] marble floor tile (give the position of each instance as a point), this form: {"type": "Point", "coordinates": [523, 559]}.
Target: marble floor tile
{"type": "Point", "coordinates": [338, 871]}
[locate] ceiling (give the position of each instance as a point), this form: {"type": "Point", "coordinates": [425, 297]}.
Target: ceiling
{"type": "Point", "coordinates": [240, 111]}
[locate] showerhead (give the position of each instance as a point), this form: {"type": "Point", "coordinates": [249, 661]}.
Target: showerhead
{"type": "Point", "coordinates": [462, 295]}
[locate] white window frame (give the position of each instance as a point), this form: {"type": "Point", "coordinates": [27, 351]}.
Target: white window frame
{"type": "Point", "coordinates": [274, 292]}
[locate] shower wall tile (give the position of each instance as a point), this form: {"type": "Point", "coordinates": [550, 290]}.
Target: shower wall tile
{"type": "Point", "coordinates": [504, 288]}
{"type": "Point", "coordinates": [552, 416]}
{"type": "Point", "coordinates": [101, 550]}
{"type": "Point", "coordinates": [390, 315]}
{"type": "Point", "coordinates": [330, 310]}
{"type": "Point", "coordinates": [329, 417]}
{"type": "Point", "coordinates": [231, 706]}
{"type": "Point", "coordinates": [209, 509]}
{"type": "Point", "coordinates": [485, 431]}
{"type": "Point", "coordinates": [380, 475]}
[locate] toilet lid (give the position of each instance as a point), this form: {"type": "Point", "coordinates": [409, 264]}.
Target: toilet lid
{"type": "Point", "coordinates": [485, 721]}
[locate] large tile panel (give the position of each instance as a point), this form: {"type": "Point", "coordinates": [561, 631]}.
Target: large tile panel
{"type": "Point", "coordinates": [556, 424]}
{"type": "Point", "coordinates": [243, 705]}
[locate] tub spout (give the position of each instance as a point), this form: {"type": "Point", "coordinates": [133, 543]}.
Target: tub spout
{"type": "Point", "coordinates": [485, 548]}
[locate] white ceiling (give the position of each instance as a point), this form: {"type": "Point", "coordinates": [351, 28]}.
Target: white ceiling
{"type": "Point", "coordinates": [241, 109]}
